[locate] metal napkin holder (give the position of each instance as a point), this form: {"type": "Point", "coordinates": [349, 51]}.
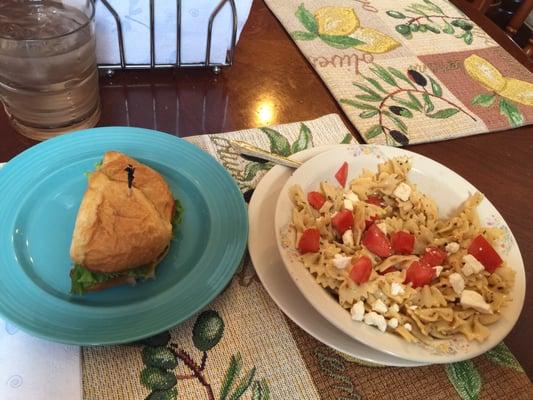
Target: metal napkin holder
{"type": "Point", "coordinates": [178, 64]}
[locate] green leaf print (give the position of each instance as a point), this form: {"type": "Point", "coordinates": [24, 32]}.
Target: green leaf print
{"type": "Point", "coordinates": [171, 394]}
{"type": "Point", "coordinates": [435, 7]}
{"type": "Point", "coordinates": [307, 19]}
{"type": "Point", "coordinates": [300, 35]}
{"type": "Point", "coordinates": [304, 141]}
{"type": "Point", "coordinates": [373, 131]}
{"type": "Point", "coordinates": [465, 379]}
{"type": "Point", "coordinates": [396, 14]}
{"type": "Point", "coordinates": [341, 42]}
{"type": "Point", "coordinates": [484, 99]}
{"type": "Point", "coordinates": [443, 114]}
{"type": "Point", "coordinates": [260, 390]}
{"type": "Point", "coordinates": [157, 379]}
{"type": "Point", "coordinates": [400, 75]}
{"type": "Point", "coordinates": [513, 114]}
{"type": "Point", "coordinates": [427, 101]}
{"type": "Point", "coordinates": [414, 100]}
{"type": "Point", "coordinates": [397, 121]}
{"type": "Point", "coordinates": [368, 90]}
{"type": "Point", "coordinates": [243, 385]}
{"type": "Point", "coordinates": [408, 104]}
{"type": "Point", "coordinates": [207, 330]}
{"type": "Point", "coordinates": [251, 170]}
{"type": "Point", "coordinates": [159, 357]}
{"type": "Point", "coordinates": [468, 37]}
{"type": "Point", "coordinates": [435, 87]}
{"type": "Point", "coordinates": [448, 28]}
{"type": "Point", "coordinates": [361, 106]}
{"type": "Point", "coordinates": [383, 74]}
{"type": "Point", "coordinates": [376, 84]}
{"type": "Point", "coordinates": [502, 355]}
{"type": "Point", "coordinates": [368, 114]}
{"type": "Point", "coordinates": [232, 372]}
{"type": "Point", "coordinates": [347, 139]}
{"type": "Point", "coordinates": [368, 97]}
{"type": "Point", "coordinates": [278, 143]}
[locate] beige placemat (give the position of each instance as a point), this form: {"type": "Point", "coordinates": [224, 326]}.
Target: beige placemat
{"type": "Point", "coordinates": [243, 347]}
{"type": "Point", "coordinates": [409, 71]}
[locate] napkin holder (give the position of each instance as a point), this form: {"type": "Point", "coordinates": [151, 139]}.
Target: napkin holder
{"type": "Point", "coordinates": [178, 62]}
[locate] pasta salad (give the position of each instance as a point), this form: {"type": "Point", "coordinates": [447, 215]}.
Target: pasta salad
{"type": "Point", "coordinates": [380, 247]}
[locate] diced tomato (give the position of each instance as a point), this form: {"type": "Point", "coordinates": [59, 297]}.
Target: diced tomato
{"type": "Point", "coordinates": [433, 256]}
{"type": "Point", "coordinates": [375, 200]}
{"type": "Point", "coordinates": [419, 274]}
{"type": "Point", "coordinates": [402, 242]}
{"type": "Point", "coordinates": [309, 241]}
{"type": "Point", "coordinates": [342, 221]}
{"type": "Point", "coordinates": [376, 241]}
{"type": "Point", "coordinates": [361, 270]}
{"type": "Point", "coordinates": [389, 270]}
{"type": "Point", "coordinates": [342, 174]}
{"type": "Point", "coordinates": [316, 199]}
{"type": "Point", "coordinates": [371, 220]}
{"type": "Point", "coordinates": [485, 253]}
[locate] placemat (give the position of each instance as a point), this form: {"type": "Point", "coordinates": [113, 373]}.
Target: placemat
{"type": "Point", "coordinates": [243, 347]}
{"type": "Point", "coordinates": [409, 71]}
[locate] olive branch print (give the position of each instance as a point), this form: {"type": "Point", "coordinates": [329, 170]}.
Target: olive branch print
{"type": "Point", "coordinates": [428, 17]}
{"type": "Point", "coordinates": [281, 146]}
{"type": "Point", "coordinates": [396, 98]}
{"type": "Point", "coordinates": [161, 358]}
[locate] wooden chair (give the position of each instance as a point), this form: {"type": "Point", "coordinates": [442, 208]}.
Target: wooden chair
{"type": "Point", "coordinates": [481, 5]}
{"type": "Point", "coordinates": [518, 20]}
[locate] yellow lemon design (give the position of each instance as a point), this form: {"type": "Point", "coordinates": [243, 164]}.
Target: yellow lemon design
{"type": "Point", "coordinates": [484, 72]}
{"type": "Point", "coordinates": [339, 21]}
{"type": "Point", "coordinates": [374, 41]}
{"type": "Point", "coordinates": [517, 90]}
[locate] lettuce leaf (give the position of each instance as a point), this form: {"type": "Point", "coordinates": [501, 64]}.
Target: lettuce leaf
{"type": "Point", "coordinates": [82, 279]}
{"type": "Point", "coordinates": [178, 216]}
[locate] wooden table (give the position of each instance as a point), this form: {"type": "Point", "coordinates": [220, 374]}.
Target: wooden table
{"type": "Point", "coordinates": [271, 83]}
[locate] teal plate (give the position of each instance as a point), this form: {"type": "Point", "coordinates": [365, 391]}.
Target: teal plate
{"type": "Point", "coordinates": [40, 193]}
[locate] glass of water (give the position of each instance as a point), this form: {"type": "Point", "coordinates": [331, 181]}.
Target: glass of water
{"type": "Point", "coordinates": [48, 75]}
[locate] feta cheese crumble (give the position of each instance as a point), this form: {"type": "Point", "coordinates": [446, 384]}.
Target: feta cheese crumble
{"type": "Point", "coordinates": [396, 289]}
{"type": "Point", "coordinates": [341, 262]}
{"type": "Point", "coordinates": [457, 282]}
{"type": "Point", "coordinates": [402, 191]}
{"type": "Point", "coordinates": [474, 300]}
{"type": "Point", "coordinates": [375, 319]}
{"type": "Point", "coordinates": [358, 311]}
{"type": "Point", "coordinates": [452, 247]}
{"type": "Point", "coordinates": [471, 265]}
{"type": "Point", "coordinates": [347, 238]}
{"type": "Point", "coordinates": [379, 306]}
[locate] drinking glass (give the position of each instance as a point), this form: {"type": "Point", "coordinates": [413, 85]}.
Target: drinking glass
{"type": "Point", "coordinates": [48, 74]}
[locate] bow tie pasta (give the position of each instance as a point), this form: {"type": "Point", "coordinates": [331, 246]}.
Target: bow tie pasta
{"type": "Point", "coordinates": [381, 248]}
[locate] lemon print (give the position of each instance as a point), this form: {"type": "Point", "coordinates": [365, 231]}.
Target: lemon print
{"type": "Point", "coordinates": [517, 90]}
{"type": "Point", "coordinates": [338, 21]}
{"type": "Point", "coordinates": [484, 72]}
{"type": "Point", "coordinates": [374, 41]}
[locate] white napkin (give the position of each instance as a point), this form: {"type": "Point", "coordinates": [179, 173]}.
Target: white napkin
{"type": "Point", "coordinates": [135, 18]}
{"type": "Point", "coordinates": [32, 368]}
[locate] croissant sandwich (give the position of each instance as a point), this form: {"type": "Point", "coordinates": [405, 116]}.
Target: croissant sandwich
{"type": "Point", "coordinates": [124, 225]}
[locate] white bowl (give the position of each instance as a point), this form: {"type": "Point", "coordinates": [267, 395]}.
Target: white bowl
{"type": "Point", "coordinates": [277, 282]}
{"type": "Point", "coordinates": [449, 191]}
